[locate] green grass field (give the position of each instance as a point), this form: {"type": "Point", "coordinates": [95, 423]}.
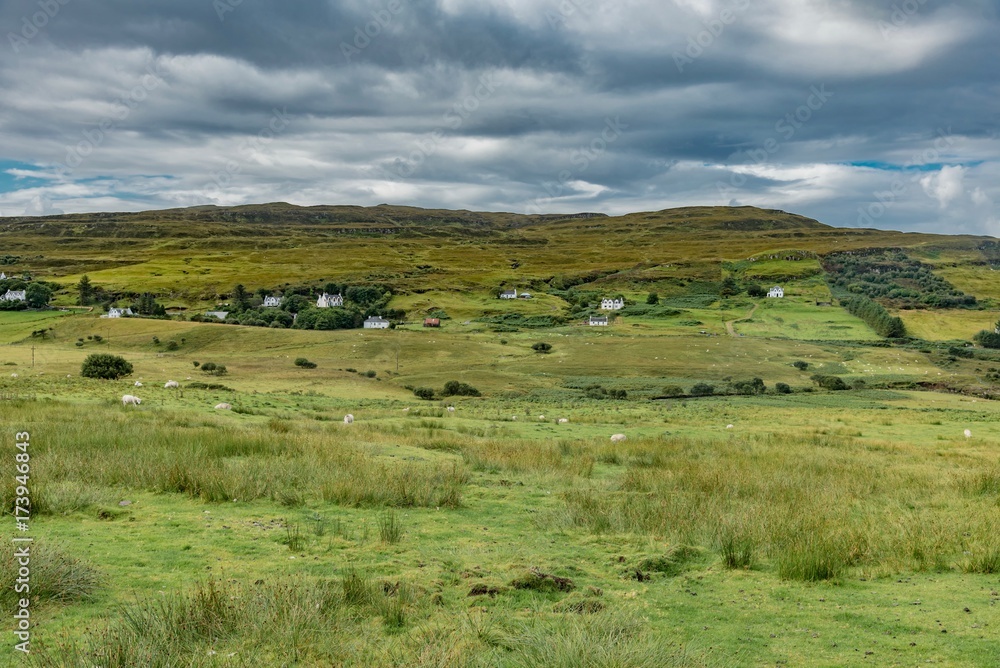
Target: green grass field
{"type": "Point", "coordinates": [811, 528]}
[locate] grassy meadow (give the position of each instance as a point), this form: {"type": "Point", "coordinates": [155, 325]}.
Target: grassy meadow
{"type": "Point", "coordinates": [798, 526]}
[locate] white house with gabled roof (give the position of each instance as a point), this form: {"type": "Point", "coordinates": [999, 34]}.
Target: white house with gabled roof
{"type": "Point", "coordinates": [612, 304]}
{"type": "Point", "coordinates": [15, 296]}
{"type": "Point", "coordinates": [329, 301]}
{"type": "Point", "coordinates": [777, 292]}
{"type": "Point", "coordinates": [272, 301]}
{"type": "Point", "coordinates": [375, 322]}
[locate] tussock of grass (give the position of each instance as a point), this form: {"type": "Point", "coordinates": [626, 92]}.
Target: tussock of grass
{"type": "Point", "coordinates": [55, 575]}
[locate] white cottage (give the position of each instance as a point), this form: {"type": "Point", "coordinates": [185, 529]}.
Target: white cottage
{"type": "Point", "coordinates": [118, 312]}
{"type": "Point", "coordinates": [598, 321]}
{"type": "Point", "coordinates": [271, 301]}
{"type": "Point", "coordinates": [612, 304]}
{"type": "Point", "coordinates": [328, 301]}
{"type": "Point", "coordinates": [16, 296]}
{"type": "Point", "coordinates": [3, 276]}
{"type": "Point", "coordinates": [508, 294]}
{"type": "Point", "coordinates": [776, 292]}
{"type": "Point", "coordinates": [376, 322]}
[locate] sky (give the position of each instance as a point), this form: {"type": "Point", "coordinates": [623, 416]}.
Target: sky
{"type": "Point", "coordinates": [881, 113]}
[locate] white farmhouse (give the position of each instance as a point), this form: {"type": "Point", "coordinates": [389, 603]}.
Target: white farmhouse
{"type": "Point", "coordinates": [612, 304]}
{"type": "Point", "coordinates": [272, 301]}
{"type": "Point", "coordinates": [776, 292]}
{"type": "Point", "coordinates": [118, 312]}
{"type": "Point", "coordinates": [15, 296]}
{"type": "Point", "coordinates": [508, 294]}
{"type": "Point", "coordinates": [376, 322]}
{"type": "Point", "coordinates": [3, 276]}
{"type": "Point", "coordinates": [328, 301]}
{"type": "Point", "coordinates": [598, 321]}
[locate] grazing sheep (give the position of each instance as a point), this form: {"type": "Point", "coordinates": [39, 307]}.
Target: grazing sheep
{"type": "Point", "coordinates": [968, 433]}
{"type": "Point", "coordinates": [563, 420]}
{"type": "Point", "coordinates": [406, 410]}
{"type": "Point", "coordinates": [729, 426]}
{"type": "Point", "coordinates": [172, 384]}
{"type": "Point", "coordinates": [541, 417]}
{"type": "Point", "coordinates": [130, 399]}
{"type": "Point", "coordinates": [138, 384]}
{"type": "Point", "coordinates": [513, 418]}
{"type": "Point", "coordinates": [451, 409]}
{"type": "Point", "coordinates": [13, 375]}
{"type": "Point", "coordinates": [348, 419]}
{"type": "Point", "coordinates": [224, 407]}
{"type": "Point", "coordinates": [617, 438]}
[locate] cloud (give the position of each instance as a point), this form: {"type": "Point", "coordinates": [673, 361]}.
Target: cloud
{"type": "Point", "coordinates": [173, 106]}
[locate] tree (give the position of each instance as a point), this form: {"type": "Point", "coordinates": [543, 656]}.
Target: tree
{"type": "Point", "coordinates": [756, 290]}
{"type": "Point", "coordinates": [755, 386]}
{"type": "Point", "coordinates": [37, 295]}
{"type": "Point", "coordinates": [782, 388]}
{"type": "Point", "coordinates": [800, 365]}
{"type": "Point", "coordinates": [987, 339]}
{"type": "Point", "coordinates": [105, 367]}
{"type": "Point", "coordinates": [702, 390]}
{"type": "Point", "coordinates": [730, 287]}
{"type": "Point", "coordinates": [86, 290]}
{"type": "Point", "coordinates": [653, 298]}
{"type": "Point", "coordinates": [241, 298]}
{"type": "Point", "coordinates": [542, 347]}
{"type": "Point", "coordinates": [424, 393]}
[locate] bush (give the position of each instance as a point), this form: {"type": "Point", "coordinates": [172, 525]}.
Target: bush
{"type": "Point", "coordinates": [304, 363]}
{"type": "Point", "coordinates": [755, 386]}
{"type": "Point", "coordinates": [829, 382]}
{"type": "Point", "coordinates": [542, 347]}
{"type": "Point", "coordinates": [702, 390]}
{"type": "Point", "coordinates": [782, 388]}
{"type": "Point", "coordinates": [208, 367]}
{"type": "Point", "coordinates": [755, 290]}
{"type": "Point", "coordinates": [987, 339]}
{"type": "Point", "coordinates": [454, 388]}
{"type": "Point", "coordinates": [673, 391]}
{"type": "Point", "coordinates": [424, 393]}
{"type": "Point", "coordinates": [105, 367]}
{"type": "Point", "coordinates": [369, 374]}
{"type": "Point", "coordinates": [800, 365]}
{"type": "Point", "coordinates": [172, 345]}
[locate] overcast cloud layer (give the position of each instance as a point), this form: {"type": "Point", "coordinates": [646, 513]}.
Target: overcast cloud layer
{"type": "Point", "coordinates": [882, 113]}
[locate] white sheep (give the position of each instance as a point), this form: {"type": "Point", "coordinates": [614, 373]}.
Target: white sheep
{"type": "Point", "coordinates": [513, 418]}
{"type": "Point", "coordinates": [563, 420]}
{"type": "Point", "coordinates": [130, 399]}
{"type": "Point", "coordinates": [171, 384]}
{"type": "Point", "coordinates": [13, 375]}
{"type": "Point", "coordinates": [138, 384]}
{"type": "Point", "coordinates": [729, 426]}
{"type": "Point", "coordinates": [406, 410]}
{"type": "Point", "coordinates": [451, 409]}
{"type": "Point", "coordinates": [541, 417]}
{"type": "Point", "coordinates": [617, 438]}
{"type": "Point", "coordinates": [968, 433]}
{"type": "Point", "coordinates": [348, 419]}
{"type": "Point", "coordinates": [224, 407]}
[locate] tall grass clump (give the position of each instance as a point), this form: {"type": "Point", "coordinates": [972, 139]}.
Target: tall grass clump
{"type": "Point", "coordinates": [55, 575]}
{"type": "Point", "coordinates": [390, 527]}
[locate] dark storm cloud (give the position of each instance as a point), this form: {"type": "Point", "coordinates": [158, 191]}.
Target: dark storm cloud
{"type": "Point", "coordinates": [506, 104]}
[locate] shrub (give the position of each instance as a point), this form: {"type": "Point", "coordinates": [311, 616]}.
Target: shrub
{"type": "Point", "coordinates": [800, 365]}
{"type": "Point", "coordinates": [105, 367]}
{"type": "Point", "coordinates": [542, 347]}
{"type": "Point", "coordinates": [755, 386]}
{"type": "Point", "coordinates": [172, 345]}
{"type": "Point", "coordinates": [673, 391]}
{"type": "Point", "coordinates": [755, 290]}
{"type": "Point", "coordinates": [702, 390]}
{"type": "Point", "coordinates": [987, 339]}
{"type": "Point", "coordinates": [156, 340]}
{"type": "Point", "coordinates": [369, 374]}
{"type": "Point", "coordinates": [208, 367]}
{"type": "Point", "coordinates": [829, 382]}
{"type": "Point", "coordinates": [454, 388]}
{"type": "Point", "coordinates": [304, 363]}
{"type": "Point", "coordinates": [424, 393]}
{"type": "Point", "coordinates": [782, 388]}
{"type": "Point", "coordinates": [196, 364]}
